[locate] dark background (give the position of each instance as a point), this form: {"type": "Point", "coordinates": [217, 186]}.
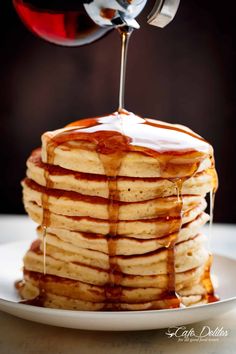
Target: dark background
{"type": "Point", "coordinates": [184, 73]}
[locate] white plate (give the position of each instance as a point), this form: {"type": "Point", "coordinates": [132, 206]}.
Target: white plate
{"type": "Point", "coordinates": [10, 270]}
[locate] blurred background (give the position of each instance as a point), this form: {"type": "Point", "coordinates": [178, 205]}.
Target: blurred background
{"type": "Point", "coordinates": [183, 74]}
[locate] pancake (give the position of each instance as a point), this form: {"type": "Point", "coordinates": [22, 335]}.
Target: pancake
{"type": "Point", "coordinates": [79, 290]}
{"type": "Point", "coordinates": [179, 151]}
{"type": "Point", "coordinates": [75, 204]}
{"type": "Point", "coordinates": [119, 202]}
{"type": "Point", "coordinates": [142, 228]}
{"type": "Point", "coordinates": [131, 189]}
{"type": "Point", "coordinates": [189, 254]}
{"type": "Point", "coordinates": [88, 296]}
{"type": "Point", "coordinates": [123, 245]}
{"type": "Point", "coordinates": [63, 302]}
{"type": "Point", "coordinates": [78, 157]}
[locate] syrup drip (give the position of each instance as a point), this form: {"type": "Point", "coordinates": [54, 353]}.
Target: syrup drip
{"type": "Point", "coordinates": [44, 249]}
{"type": "Point", "coordinates": [112, 163]}
{"type": "Point", "coordinates": [171, 295]}
{"type": "Point", "coordinates": [45, 217]}
{"type": "Point", "coordinates": [212, 202]}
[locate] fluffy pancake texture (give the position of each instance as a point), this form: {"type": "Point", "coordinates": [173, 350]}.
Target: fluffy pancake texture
{"type": "Point", "coordinates": [118, 216]}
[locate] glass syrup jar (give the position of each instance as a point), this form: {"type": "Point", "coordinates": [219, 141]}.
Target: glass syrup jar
{"type": "Point", "coordinates": [76, 22]}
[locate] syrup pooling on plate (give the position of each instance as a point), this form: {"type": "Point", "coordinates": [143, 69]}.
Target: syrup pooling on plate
{"type": "Point", "coordinates": [112, 137]}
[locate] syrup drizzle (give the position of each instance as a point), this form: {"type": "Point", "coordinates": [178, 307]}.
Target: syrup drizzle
{"type": "Point", "coordinates": [212, 202]}
{"type": "Point", "coordinates": [171, 247]}
{"type": "Point", "coordinates": [171, 296]}
{"type": "Point", "coordinates": [210, 296]}
{"type": "Point", "coordinates": [125, 33]}
{"type": "Point", "coordinates": [112, 163]}
{"type": "Point", "coordinates": [45, 217]}
{"type": "Point", "coordinates": [44, 249]}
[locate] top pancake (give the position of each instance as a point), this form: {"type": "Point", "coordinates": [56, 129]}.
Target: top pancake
{"type": "Point", "coordinates": [152, 148]}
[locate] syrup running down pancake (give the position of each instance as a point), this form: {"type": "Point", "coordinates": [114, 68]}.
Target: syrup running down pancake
{"type": "Point", "coordinates": [119, 202]}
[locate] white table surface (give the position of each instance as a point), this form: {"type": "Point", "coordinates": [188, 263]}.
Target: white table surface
{"type": "Point", "coordinates": [18, 336]}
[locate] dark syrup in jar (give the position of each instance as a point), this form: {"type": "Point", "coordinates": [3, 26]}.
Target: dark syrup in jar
{"type": "Point", "coordinates": [63, 22]}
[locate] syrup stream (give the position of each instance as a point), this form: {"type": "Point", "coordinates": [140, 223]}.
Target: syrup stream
{"type": "Point", "coordinates": [125, 33]}
{"type": "Point", "coordinates": [44, 249]}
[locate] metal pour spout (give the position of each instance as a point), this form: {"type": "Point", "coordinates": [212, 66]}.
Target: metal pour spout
{"type": "Point", "coordinates": [115, 13]}
{"type": "Point", "coordinates": [118, 13]}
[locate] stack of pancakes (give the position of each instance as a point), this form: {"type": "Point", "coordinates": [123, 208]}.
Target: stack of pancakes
{"type": "Point", "coordinates": [150, 255]}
